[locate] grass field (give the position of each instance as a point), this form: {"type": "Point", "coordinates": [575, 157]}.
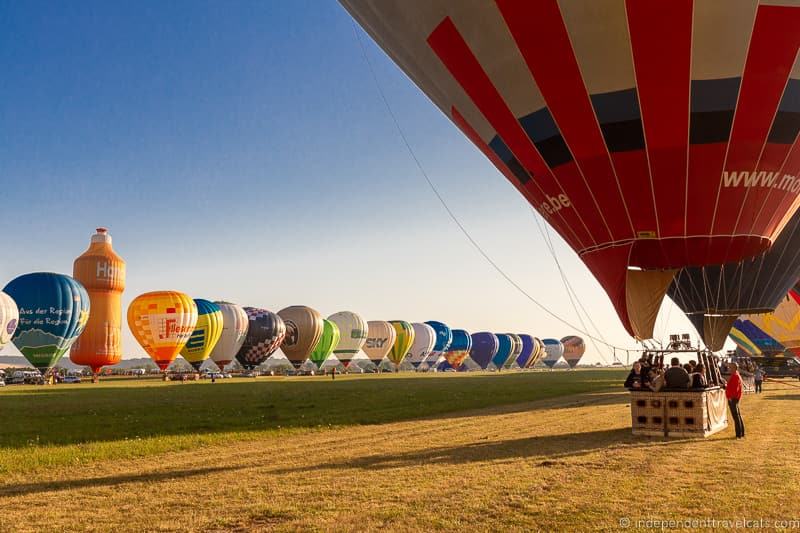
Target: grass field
{"type": "Point", "coordinates": [520, 451]}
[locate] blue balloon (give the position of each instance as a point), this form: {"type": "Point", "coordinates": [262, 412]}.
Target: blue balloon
{"type": "Point", "coordinates": [504, 345]}
{"type": "Point", "coordinates": [484, 347]}
{"type": "Point", "coordinates": [53, 310]}
{"type": "Point", "coordinates": [444, 336]}
{"type": "Point", "coordinates": [527, 349]}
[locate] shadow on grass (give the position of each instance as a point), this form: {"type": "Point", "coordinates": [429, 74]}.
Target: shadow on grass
{"type": "Point", "coordinates": [545, 451]}
{"type": "Point", "coordinates": [70, 484]}
{"type": "Point", "coordinates": [137, 410]}
{"type": "Point", "coordinates": [783, 397]}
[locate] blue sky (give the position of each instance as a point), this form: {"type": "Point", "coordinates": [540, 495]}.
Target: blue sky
{"type": "Point", "coordinates": [241, 150]}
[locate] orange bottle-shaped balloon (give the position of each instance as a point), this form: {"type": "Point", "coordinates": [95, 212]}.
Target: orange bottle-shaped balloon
{"type": "Point", "coordinates": [102, 272]}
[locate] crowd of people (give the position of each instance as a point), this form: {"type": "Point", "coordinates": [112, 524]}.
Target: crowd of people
{"type": "Point", "coordinates": [643, 376]}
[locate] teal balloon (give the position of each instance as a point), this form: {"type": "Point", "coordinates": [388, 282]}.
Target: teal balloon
{"type": "Point", "coordinates": [53, 310]}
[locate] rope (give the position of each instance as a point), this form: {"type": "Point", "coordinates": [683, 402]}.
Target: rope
{"type": "Point", "coordinates": [447, 208]}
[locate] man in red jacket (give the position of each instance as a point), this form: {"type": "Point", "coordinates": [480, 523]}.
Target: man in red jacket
{"type": "Point", "coordinates": [733, 391]}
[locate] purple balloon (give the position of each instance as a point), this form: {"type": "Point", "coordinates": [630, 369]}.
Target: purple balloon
{"type": "Point", "coordinates": [527, 349]}
{"type": "Point", "coordinates": [484, 347]}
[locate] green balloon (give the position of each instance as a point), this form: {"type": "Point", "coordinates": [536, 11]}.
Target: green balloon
{"type": "Point", "coordinates": [326, 344]}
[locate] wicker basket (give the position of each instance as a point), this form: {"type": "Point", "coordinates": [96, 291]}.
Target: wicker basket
{"type": "Point", "coordinates": [696, 413]}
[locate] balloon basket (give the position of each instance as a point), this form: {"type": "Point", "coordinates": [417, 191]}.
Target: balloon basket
{"type": "Point", "coordinates": [690, 413]}
{"type": "Point", "coordinates": [95, 377]}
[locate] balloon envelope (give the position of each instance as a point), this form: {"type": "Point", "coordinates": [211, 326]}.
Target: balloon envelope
{"type": "Point", "coordinates": [538, 352]}
{"type": "Point", "coordinates": [783, 324]}
{"type": "Point", "coordinates": [553, 350]}
{"type": "Point", "coordinates": [525, 354]}
{"type": "Point", "coordinates": [444, 336]}
{"type": "Point", "coordinates": [162, 322]}
{"type": "Point", "coordinates": [53, 310]}
{"type": "Point", "coordinates": [424, 340]}
{"type": "Point", "coordinates": [505, 343]}
{"type": "Point", "coordinates": [352, 334]}
{"type": "Point", "coordinates": [484, 347]}
{"type": "Point", "coordinates": [206, 333]}
{"type": "Point", "coordinates": [234, 330]}
{"type": "Point", "coordinates": [327, 342]}
{"type": "Point", "coordinates": [459, 348]}
{"type": "Point", "coordinates": [9, 317]}
{"type": "Point", "coordinates": [655, 135]}
{"type": "Point", "coordinates": [516, 349]}
{"type": "Point", "coordinates": [574, 348]}
{"type": "Point", "coordinates": [303, 330]}
{"type": "Point", "coordinates": [380, 339]}
{"type": "Point", "coordinates": [265, 333]}
{"type": "Point", "coordinates": [753, 341]}
{"type": "Point", "coordinates": [403, 341]}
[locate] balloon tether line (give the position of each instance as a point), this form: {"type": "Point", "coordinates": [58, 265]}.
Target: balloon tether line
{"type": "Point", "coordinates": [450, 212]}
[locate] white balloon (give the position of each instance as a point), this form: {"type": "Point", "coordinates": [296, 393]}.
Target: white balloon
{"type": "Point", "coordinates": [424, 341]}
{"type": "Point", "coordinates": [9, 318]}
{"type": "Point", "coordinates": [352, 334]}
{"type": "Point", "coordinates": [234, 330]}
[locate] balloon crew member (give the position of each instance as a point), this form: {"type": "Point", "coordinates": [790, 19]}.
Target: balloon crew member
{"type": "Point", "coordinates": [758, 378]}
{"type": "Point", "coordinates": [733, 392]}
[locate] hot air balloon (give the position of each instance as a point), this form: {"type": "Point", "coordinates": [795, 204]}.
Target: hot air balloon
{"type": "Point", "coordinates": [516, 349]}
{"type": "Point", "coordinates": [574, 348]}
{"type": "Point", "coordinates": [459, 348]}
{"type": "Point", "coordinates": [424, 341]}
{"type": "Point", "coordinates": [753, 341]}
{"type": "Point", "coordinates": [234, 331]}
{"type": "Point", "coordinates": [505, 343]}
{"type": "Point", "coordinates": [538, 352]}
{"type": "Point", "coordinates": [326, 344]}
{"type": "Point", "coordinates": [553, 350]}
{"type": "Point", "coordinates": [9, 317]}
{"type": "Point", "coordinates": [380, 339]}
{"type": "Point", "coordinates": [265, 333]}
{"type": "Point", "coordinates": [162, 322]}
{"type": "Point", "coordinates": [651, 135]}
{"type": "Point", "coordinates": [352, 334]}
{"type": "Point", "coordinates": [206, 334]}
{"type": "Point", "coordinates": [444, 336]}
{"type": "Point", "coordinates": [53, 310]}
{"type": "Point", "coordinates": [484, 347]}
{"type": "Point", "coordinates": [303, 330]}
{"type": "Point", "coordinates": [403, 341]}
{"type": "Point", "coordinates": [102, 272]}
{"type": "Point", "coordinates": [783, 324]}
{"type": "Point", "coordinates": [713, 297]}
{"type": "Point", "coordinates": [525, 354]}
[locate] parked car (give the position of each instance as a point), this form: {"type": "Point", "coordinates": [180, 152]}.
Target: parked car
{"type": "Point", "coordinates": [71, 379]}
{"type": "Point", "coordinates": [779, 367]}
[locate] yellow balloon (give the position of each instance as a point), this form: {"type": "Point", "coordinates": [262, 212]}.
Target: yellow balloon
{"type": "Point", "coordinates": [162, 322]}
{"type": "Point", "coordinates": [402, 342]}
{"type": "Point", "coordinates": [206, 333]}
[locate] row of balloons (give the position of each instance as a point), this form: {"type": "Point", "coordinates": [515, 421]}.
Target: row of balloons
{"type": "Point", "coordinates": [55, 309]}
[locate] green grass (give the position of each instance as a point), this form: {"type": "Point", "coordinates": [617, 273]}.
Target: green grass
{"type": "Point", "coordinates": [78, 424]}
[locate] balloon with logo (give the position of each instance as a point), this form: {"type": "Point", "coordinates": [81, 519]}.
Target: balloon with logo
{"type": "Point", "coordinates": [574, 348]}
{"type": "Point", "coordinates": [484, 347]}
{"type": "Point", "coordinates": [528, 346]}
{"type": "Point", "coordinates": [352, 334]}
{"type": "Point", "coordinates": [326, 344]}
{"type": "Point", "coordinates": [651, 135]}
{"type": "Point", "coordinates": [380, 339]}
{"type": "Point", "coordinates": [265, 333]}
{"type": "Point", "coordinates": [162, 322]}
{"type": "Point", "coordinates": [553, 351]}
{"type": "Point", "coordinates": [459, 348]}
{"type": "Point", "coordinates": [206, 334]}
{"type": "Point", "coordinates": [402, 342]}
{"type": "Point", "coordinates": [444, 336]}
{"type": "Point", "coordinates": [516, 349]}
{"type": "Point", "coordinates": [9, 317]}
{"type": "Point", "coordinates": [234, 331]}
{"type": "Point", "coordinates": [424, 340]}
{"type": "Point", "coordinates": [53, 311]}
{"type": "Point", "coordinates": [505, 343]}
{"type": "Point", "coordinates": [303, 329]}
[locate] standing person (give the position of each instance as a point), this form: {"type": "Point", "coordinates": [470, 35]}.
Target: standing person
{"type": "Point", "coordinates": [758, 377]}
{"type": "Point", "coordinates": [733, 392]}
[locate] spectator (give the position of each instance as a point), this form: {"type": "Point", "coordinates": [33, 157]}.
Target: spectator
{"type": "Point", "coordinates": [656, 380]}
{"type": "Point", "coordinates": [758, 378]}
{"type": "Point", "coordinates": [699, 377]}
{"type": "Point", "coordinates": [637, 379]}
{"type": "Point", "coordinates": [733, 392]}
{"type": "Point", "coordinates": [676, 377]}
